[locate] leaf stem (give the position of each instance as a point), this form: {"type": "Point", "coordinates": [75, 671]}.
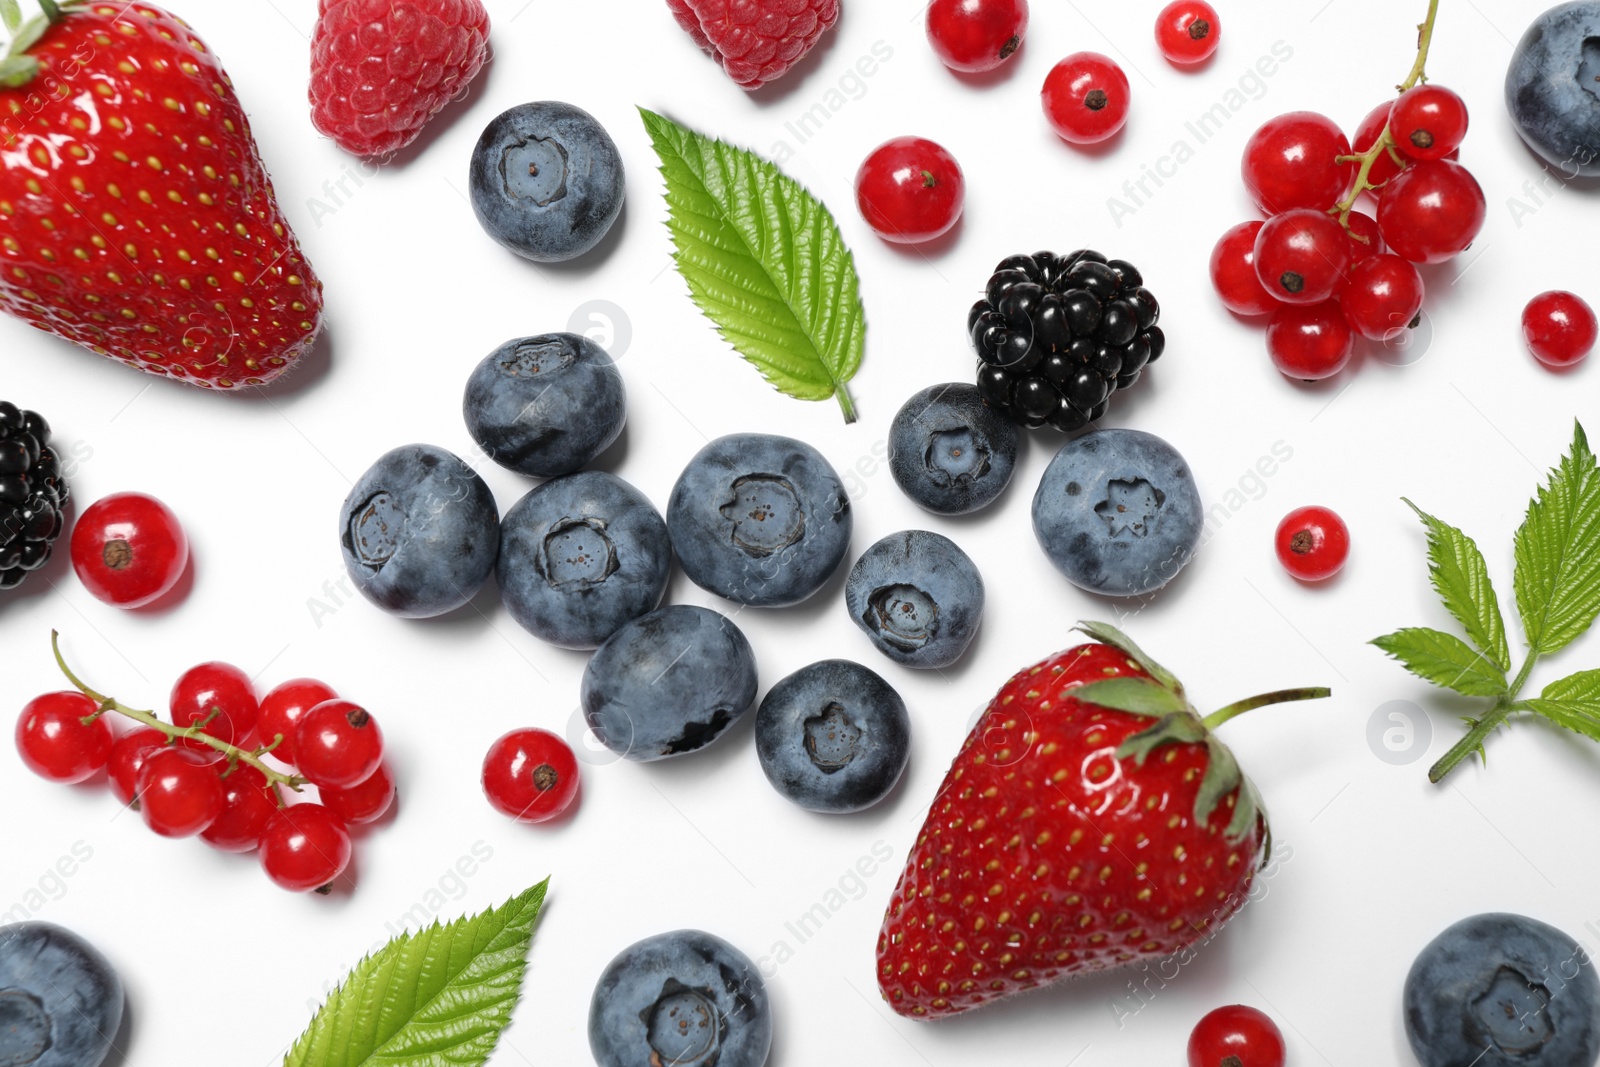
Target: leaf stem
{"type": "Point", "coordinates": [1472, 742]}
{"type": "Point", "coordinates": [1282, 696]}
{"type": "Point", "coordinates": [234, 754]}
{"type": "Point", "coordinates": [1385, 142]}
{"type": "Point", "coordinates": [842, 393]}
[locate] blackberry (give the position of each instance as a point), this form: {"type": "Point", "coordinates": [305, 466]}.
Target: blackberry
{"type": "Point", "coordinates": [1057, 335]}
{"type": "Point", "coordinates": [33, 494]}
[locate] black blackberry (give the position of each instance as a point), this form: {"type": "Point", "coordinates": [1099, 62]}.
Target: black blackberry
{"type": "Point", "coordinates": [1057, 335]}
{"type": "Point", "coordinates": [33, 494]}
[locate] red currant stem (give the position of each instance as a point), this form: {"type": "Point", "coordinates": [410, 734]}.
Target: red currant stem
{"type": "Point", "coordinates": [1282, 696]}
{"type": "Point", "coordinates": [1472, 743]}
{"type": "Point", "coordinates": [234, 754]}
{"type": "Point", "coordinates": [1385, 141]}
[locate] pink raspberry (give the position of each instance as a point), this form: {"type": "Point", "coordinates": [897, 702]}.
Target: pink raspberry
{"type": "Point", "coordinates": [380, 69]}
{"type": "Point", "coordinates": [756, 41]}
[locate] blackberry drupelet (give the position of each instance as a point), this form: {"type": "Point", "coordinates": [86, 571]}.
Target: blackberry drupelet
{"type": "Point", "coordinates": [33, 494]}
{"type": "Point", "coordinates": [1057, 335]}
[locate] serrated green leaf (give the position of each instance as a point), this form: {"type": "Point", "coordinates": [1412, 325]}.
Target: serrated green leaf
{"type": "Point", "coordinates": [1137, 696]}
{"type": "Point", "coordinates": [1558, 553]}
{"type": "Point", "coordinates": [1572, 702]}
{"type": "Point", "coordinates": [765, 262]}
{"type": "Point", "coordinates": [1461, 578]}
{"type": "Point", "coordinates": [1444, 659]}
{"type": "Point", "coordinates": [436, 998]}
{"type": "Point", "coordinates": [1107, 634]}
{"type": "Point", "coordinates": [10, 15]}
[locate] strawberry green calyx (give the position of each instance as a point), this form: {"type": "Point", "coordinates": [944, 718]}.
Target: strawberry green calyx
{"type": "Point", "coordinates": [1161, 697]}
{"type": "Point", "coordinates": [17, 67]}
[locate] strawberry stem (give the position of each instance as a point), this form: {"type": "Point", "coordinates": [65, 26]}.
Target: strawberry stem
{"type": "Point", "coordinates": [1282, 696]}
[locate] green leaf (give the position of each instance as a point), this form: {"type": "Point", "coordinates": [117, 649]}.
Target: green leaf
{"type": "Point", "coordinates": [436, 998]}
{"type": "Point", "coordinates": [1572, 702]}
{"type": "Point", "coordinates": [1138, 696]}
{"type": "Point", "coordinates": [1558, 553]}
{"type": "Point", "coordinates": [1444, 659]}
{"type": "Point", "coordinates": [1107, 634]}
{"type": "Point", "coordinates": [10, 15]}
{"type": "Point", "coordinates": [765, 261]}
{"type": "Point", "coordinates": [1458, 573]}
{"type": "Point", "coordinates": [17, 71]}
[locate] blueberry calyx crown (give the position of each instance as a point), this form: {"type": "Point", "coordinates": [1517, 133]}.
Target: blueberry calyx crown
{"type": "Point", "coordinates": [1057, 335]}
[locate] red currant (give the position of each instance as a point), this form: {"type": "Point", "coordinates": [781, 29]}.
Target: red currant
{"type": "Point", "coordinates": [215, 687]}
{"type": "Point", "coordinates": [1233, 272]}
{"type": "Point", "coordinates": [1187, 31]}
{"type": "Point", "coordinates": [1236, 1036]}
{"type": "Point", "coordinates": [530, 775]}
{"type": "Point", "coordinates": [57, 744]}
{"type": "Point", "coordinates": [973, 36]}
{"type": "Point", "coordinates": [285, 706]}
{"type": "Point", "coordinates": [1365, 240]}
{"type": "Point", "coordinates": [1310, 341]}
{"type": "Point", "coordinates": [1086, 98]}
{"type": "Point", "coordinates": [305, 847]}
{"type": "Point", "coordinates": [1292, 161]}
{"type": "Point", "coordinates": [128, 754]}
{"type": "Point", "coordinates": [1382, 296]}
{"type": "Point", "coordinates": [1302, 255]}
{"type": "Point", "coordinates": [1428, 122]}
{"type": "Point", "coordinates": [248, 805]}
{"type": "Point", "coordinates": [1312, 543]}
{"type": "Point", "coordinates": [179, 792]}
{"type": "Point", "coordinates": [1431, 211]}
{"type": "Point", "coordinates": [1383, 167]}
{"type": "Point", "coordinates": [338, 744]}
{"type": "Point", "coordinates": [362, 803]}
{"type": "Point", "coordinates": [910, 190]}
{"type": "Point", "coordinates": [129, 550]}
{"type": "Point", "coordinates": [1559, 328]}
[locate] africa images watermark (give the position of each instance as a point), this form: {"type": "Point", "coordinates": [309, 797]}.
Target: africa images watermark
{"type": "Point", "coordinates": [851, 86]}
{"type": "Point", "coordinates": [1250, 86]}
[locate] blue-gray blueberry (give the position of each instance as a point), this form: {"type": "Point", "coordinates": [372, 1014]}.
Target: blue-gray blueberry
{"type": "Point", "coordinates": [949, 451]}
{"type": "Point", "coordinates": [1552, 88]}
{"type": "Point", "coordinates": [545, 406]}
{"type": "Point", "coordinates": [579, 556]}
{"type": "Point", "coordinates": [918, 596]}
{"type": "Point", "coordinates": [60, 1001]}
{"type": "Point", "coordinates": [419, 532]}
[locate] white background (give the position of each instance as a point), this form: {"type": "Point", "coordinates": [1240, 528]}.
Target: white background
{"type": "Point", "coordinates": [220, 965]}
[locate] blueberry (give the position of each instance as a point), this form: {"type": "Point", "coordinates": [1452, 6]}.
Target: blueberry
{"type": "Point", "coordinates": [918, 596]}
{"type": "Point", "coordinates": [759, 519]}
{"type": "Point", "coordinates": [579, 556]}
{"type": "Point", "coordinates": [683, 999]}
{"type": "Point", "coordinates": [545, 406]}
{"type": "Point", "coordinates": [1502, 990]}
{"type": "Point", "coordinates": [546, 180]}
{"type": "Point", "coordinates": [60, 1001]}
{"type": "Point", "coordinates": [419, 532]}
{"type": "Point", "coordinates": [949, 451]}
{"type": "Point", "coordinates": [833, 737]}
{"type": "Point", "coordinates": [1118, 512]}
{"type": "Point", "coordinates": [669, 682]}
{"type": "Point", "coordinates": [1553, 87]}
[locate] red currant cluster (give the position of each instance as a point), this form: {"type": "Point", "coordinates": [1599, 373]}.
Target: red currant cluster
{"type": "Point", "coordinates": [1325, 272]}
{"type": "Point", "coordinates": [194, 775]}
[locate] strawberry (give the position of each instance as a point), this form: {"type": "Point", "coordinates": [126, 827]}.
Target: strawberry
{"type": "Point", "coordinates": [1091, 819]}
{"type": "Point", "coordinates": [136, 218]}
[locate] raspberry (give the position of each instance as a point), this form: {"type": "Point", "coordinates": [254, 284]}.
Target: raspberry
{"type": "Point", "coordinates": [756, 41]}
{"type": "Point", "coordinates": [380, 69]}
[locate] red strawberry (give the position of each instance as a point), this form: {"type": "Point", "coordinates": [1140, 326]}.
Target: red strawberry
{"type": "Point", "coordinates": [1070, 837]}
{"type": "Point", "coordinates": [380, 69]}
{"type": "Point", "coordinates": [756, 41]}
{"type": "Point", "coordinates": [135, 216]}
